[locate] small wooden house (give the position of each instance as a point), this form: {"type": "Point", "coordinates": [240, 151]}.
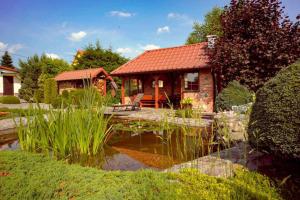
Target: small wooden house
{"type": "Point", "coordinates": [10, 82]}
{"type": "Point", "coordinates": [71, 80]}
{"type": "Point", "coordinates": [169, 75]}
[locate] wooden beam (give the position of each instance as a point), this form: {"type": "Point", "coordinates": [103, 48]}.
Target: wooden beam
{"type": "Point", "coordinates": [156, 93]}
{"type": "Point", "coordinates": [104, 87]}
{"type": "Point", "coordinates": [123, 91]}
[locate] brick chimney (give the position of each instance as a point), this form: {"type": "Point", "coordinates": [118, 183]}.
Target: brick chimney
{"type": "Point", "coordinates": [211, 39]}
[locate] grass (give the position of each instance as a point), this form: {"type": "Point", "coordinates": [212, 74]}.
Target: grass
{"type": "Point", "coordinates": [26, 175]}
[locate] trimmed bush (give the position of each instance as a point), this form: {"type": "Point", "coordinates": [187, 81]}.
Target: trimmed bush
{"type": "Point", "coordinates": [9, 100]}
{"type": "Point", "coordinates": [50, 90]}
{"type": "Point", "coordinates": [274, 122]}
{"type": "Point", "coordinates": [233, 95]}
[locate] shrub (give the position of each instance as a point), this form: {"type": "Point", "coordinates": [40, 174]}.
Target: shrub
{"type": "Point", "coordinates": [233, 95]}
{"type": "Point", "coordinates": [38, 96]}
{"type": "Point", "coordinates": [60, 102]}
{"type": "Point", "coordinates": [184, 113]}
{"type": "Point", "coordinates": [65, 94]}
{"type": "Point", "coordinates": [50, 90]}
{"type": "Point", "coordinates": [76, 96]}
{"type": "Point", "coordinates": [274, 122]}
{"type": "Point", "coordinates": [10, 100]}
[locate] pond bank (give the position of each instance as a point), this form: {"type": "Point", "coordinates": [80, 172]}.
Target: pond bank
{"type": "Point", "coordinates": [148, 114]}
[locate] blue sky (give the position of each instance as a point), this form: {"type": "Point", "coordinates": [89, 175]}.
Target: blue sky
{"type": "Point", "coordinates": [60, 27]}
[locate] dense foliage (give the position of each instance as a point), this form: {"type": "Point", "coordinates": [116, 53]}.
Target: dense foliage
{"type": "Point", "coordinates": [35, 70]}
{"type": "Point", "coordinates": [50, 90]}
{"type": "Point", "coordinates": [211, 26]}
{"type": "Point", "coordinates": [274, 121]}
{"type": "Point", "coordinates": [32, 176]}
{"type": "Point", "coordinates": [6, 60]}
{"type": "Point", "coordinates": [257, 42]}
{"type": "Point", "coordinates": [233, 95]}
{"type": "Point", "coordinates": [9, 100]}
{"type": "Point", "coordinates": [94, 56]}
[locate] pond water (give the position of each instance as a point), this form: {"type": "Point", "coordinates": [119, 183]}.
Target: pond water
{"type": "Point", "coordinates": [137, 145]}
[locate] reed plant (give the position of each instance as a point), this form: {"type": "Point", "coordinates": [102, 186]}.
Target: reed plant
{"type": "Point", "coordinates": [67, 132]}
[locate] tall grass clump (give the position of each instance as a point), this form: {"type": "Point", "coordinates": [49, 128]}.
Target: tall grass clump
{"type": "Point", "coordinates": [71, 131]}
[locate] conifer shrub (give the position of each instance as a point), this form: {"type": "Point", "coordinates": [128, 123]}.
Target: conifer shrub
{"type": "Point", "coordinates": [234, 94]}
{"type": "Point", "coordinates": [274, 122]}
{"type": "Point", "coordinates": [50, 90]}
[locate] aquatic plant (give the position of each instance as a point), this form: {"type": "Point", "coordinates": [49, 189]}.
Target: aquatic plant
{"type": "Point", "coordinates": [70, 131]}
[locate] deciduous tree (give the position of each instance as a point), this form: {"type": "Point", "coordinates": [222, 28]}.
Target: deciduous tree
{"type": "Point", "coordinates": [211, 26]}
{"type": "Point", "coordinates": [258, 40]}
{"type": "Point", "coordinates": [95, 56]}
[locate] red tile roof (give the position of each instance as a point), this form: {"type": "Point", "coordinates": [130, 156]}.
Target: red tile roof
{"type": "Point", "coordinates": [81, 74]}
{"type": "Point", "coordinates": [9, 69]}
{"type": "Point", "coordinates": [185, 57]}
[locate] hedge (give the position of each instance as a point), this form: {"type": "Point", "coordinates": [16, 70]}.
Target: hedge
{"type": "Point", "coordinates": [9, 100]}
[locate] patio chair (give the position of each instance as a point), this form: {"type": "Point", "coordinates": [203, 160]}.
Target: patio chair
{"type": "Point", "coordinates": [130, 107]}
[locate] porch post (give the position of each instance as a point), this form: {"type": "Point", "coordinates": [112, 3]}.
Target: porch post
{"type": "Point", "coordinates": [104, 87]}
{"type": "Point", "coordinates": [156, 91]}
{"type": "Point", "coordinates": [123, 91]}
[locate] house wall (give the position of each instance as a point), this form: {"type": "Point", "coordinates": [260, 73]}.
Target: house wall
{"type": "Point", "coordinates": [17, 85]}
{"type": "Point", "coordinates": [204, 98]}
{"type": "Point", "coordinates": [1, 84]}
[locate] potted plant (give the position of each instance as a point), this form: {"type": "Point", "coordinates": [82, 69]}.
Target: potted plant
{"type": "Point", "coordinates": [187, 103]}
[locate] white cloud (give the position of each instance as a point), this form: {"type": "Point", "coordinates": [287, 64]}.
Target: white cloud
{"type": "Point", "coordinates": [3, 46]}
{"type": "Point", "coordinates": [164, 29]}
{"type": "Point", "coordinates": [124, 50]}
{"type": "Point", "coordinates": [14, 48]}
{"type": "Point", "coordinates": [76, 37]}
{"type": "Point", "coordinates": [181, 17]}
{"type": "Point", "coordinates": [52, 55]}
{"type": "Point", "coordinates": [121, 13]}
{"type": "Point", "coordinates": [150, 47]}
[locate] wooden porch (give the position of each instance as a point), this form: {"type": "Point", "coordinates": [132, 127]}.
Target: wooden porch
{"type": "Point", "coordinates": [160, 90]}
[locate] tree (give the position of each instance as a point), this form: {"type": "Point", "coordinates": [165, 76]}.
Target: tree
{"type": "Point", "coordinates": [30, 71]}
{"type": "Point", "coordinates": [95, 56]}
{"type": "Point", "coordinates": [52, 66]}
{"type": "Point", "coordinates": [257, 42]}
{"type": "Point", "coordinates": [211, 26]}
{"type": "Point", "coordinates": [6, 60]}
{"type": "Point", "coordinates": [35, 70]}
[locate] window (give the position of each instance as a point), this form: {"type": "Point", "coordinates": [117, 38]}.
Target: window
{"type": "Point", "coordinates": [160, 84]}
{"type": "Point", "coordinates": [133, 87]}
{"type": "Point", "coordinates": [191, 81]}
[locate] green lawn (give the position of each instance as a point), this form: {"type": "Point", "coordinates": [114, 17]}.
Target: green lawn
{"type": "Point", "coordinates": [33, 176]}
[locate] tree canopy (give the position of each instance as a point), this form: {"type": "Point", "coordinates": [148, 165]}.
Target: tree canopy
{"type": "Point", "coordinates": [257, 41]}
{"type": "Point", "coordinates": [94, 56]}
{"type": "Point", "coordinates": [6, 60]}
{"type": "Point", "coordinates": [211, 26]}
{"type": "Point", "coordinates": [35, 70]}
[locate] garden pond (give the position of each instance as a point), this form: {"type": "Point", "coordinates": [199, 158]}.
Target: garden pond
{"type": "Point", "coordinates": [134, 145]}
